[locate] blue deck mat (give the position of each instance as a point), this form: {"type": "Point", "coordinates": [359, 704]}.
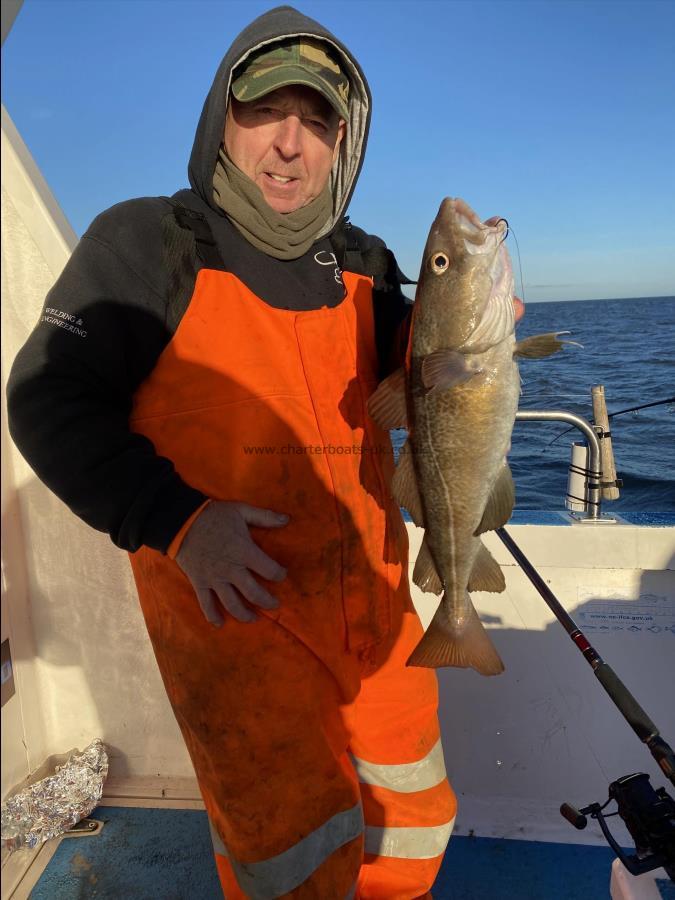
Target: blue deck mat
{"type": "Point", "coordinates": [144, 854]}
{"type": "Point", "coordinates": [165, 854]}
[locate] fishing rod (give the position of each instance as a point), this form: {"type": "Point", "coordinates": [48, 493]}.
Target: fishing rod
{"type": "Point", "coordinates": [648, 814]}
{"type": "Point", "coordinates": [619, 412]}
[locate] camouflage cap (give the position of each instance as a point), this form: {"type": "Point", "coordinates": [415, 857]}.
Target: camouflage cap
{"type": "Point", "coordinates": [294, 61]}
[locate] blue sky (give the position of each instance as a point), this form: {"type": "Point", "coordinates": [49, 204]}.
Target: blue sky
{"type": "Point", "coordinates": [559, 116]}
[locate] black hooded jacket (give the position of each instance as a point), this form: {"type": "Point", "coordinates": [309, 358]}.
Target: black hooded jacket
{"type": "Point", "coordinates": [121, 297]}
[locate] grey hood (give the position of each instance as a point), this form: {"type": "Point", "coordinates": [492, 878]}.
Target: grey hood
{"type": "Point", "coordinates": [278, 23]}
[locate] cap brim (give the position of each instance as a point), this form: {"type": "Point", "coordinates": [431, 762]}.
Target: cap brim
{"type": "Point", "coordinates": [289, 75]}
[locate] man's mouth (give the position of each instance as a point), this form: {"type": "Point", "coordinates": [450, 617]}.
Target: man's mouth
{"type": "Point", "coordinates": [280, 179]}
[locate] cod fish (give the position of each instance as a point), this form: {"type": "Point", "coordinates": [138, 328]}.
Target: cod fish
{"type": "Point", "coordinates": [458, 395]}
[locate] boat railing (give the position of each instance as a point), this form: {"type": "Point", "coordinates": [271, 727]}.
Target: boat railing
{"type": "Point", "coordinates": [591, 474]}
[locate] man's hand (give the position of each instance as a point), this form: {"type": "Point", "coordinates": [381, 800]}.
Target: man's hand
{"type": "Point", "coordinates": [218, 557]}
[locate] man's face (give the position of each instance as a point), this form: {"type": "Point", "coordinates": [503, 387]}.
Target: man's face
{"type": "Point", "coordinates": [286, 142]}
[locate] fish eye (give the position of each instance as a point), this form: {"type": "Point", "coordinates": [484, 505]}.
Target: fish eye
{"type": "Point", "coordinates": [439, 263]}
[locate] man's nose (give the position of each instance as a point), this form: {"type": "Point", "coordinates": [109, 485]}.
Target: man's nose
{"type": "Point", "coordinates": [288, 138]}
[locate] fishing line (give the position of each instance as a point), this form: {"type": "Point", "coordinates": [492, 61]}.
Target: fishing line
{"type": "Point", "coordinates": [510, 231]}
{"type": "Point", "coordinates": [619, 412]}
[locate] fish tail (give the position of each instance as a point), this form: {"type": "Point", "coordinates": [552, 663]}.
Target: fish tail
{"type": "Point", "coordinates": [444, 645]}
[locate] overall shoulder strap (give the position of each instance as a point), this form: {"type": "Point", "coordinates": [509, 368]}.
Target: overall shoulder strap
{"type": "Point", "coordinates": [196, 223]}
{"type": "Point", "coordinates": [390, 306]}
{"type": "Point", "coordinates": [377, 261]}
{"type": "Point", "coordinates": [187, 246]}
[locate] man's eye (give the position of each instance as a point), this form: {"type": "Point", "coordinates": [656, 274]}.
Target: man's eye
{"type": "Point", "coordinates": [267, 111]}
{"type": "Point", "coordinates": [319, 124]}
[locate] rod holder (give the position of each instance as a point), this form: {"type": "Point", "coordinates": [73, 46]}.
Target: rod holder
{"type": "Point", "coordinates": [576, 499]}
{"type": "Point", "coordinates": [593, 483]}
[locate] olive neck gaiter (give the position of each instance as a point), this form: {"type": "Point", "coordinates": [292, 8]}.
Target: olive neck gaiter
{"type": "Point", "coordinates": [281, 235]}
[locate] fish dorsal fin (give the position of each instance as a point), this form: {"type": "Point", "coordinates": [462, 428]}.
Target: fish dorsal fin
{"type": "Point", "coordinates": [445, 369]}
{"type": "Point", "coordinates": [387, 402]}
{"type": "Point", "coordinates": [500, 503]}
{"type": "Point", "coordinates": [404, 485]}
{"type": "Point", "coordinates": [486, 574]}
{"type": "Point", "coordinates": [540, 345]}
{"type": "Point", "coordinates": [442, 645]}
{"type": "Point", "coordinates": [425, 575]}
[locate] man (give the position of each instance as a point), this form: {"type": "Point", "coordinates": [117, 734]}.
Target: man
{"type": "Point", "coordinates": [208, 410]}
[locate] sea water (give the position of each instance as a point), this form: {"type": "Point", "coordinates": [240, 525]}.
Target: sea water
{"type": "Point", "coordinates": [629, 347]}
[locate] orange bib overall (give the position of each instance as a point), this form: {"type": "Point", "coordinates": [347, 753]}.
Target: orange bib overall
{"type": "Point", "coordinates": [317, 752]}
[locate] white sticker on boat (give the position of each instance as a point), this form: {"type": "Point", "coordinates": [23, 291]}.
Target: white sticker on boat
{"type": "Point", "coordinates": [646, 614]}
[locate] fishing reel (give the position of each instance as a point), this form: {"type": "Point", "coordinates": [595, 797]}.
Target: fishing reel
{"type": "Point", "coordinates": [649, 816]}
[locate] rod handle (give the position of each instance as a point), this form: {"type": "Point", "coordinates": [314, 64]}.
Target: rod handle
{"type": "Point", "coordinates": [573, 816]}
{"type": "Point", "coordinates": [628, 706]}
{"type": "Point", "coordinates": [610, 490]}
{"type": "Point", "coordinates": [663, 754]}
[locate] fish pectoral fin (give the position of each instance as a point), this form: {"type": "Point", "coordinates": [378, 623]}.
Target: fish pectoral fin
{"type": "Point", "coordinates": [468, 647]}
{"type": "Point", "coordinates": [500, 503]}
{"type": "Point", "coordinates": [425, 575]}
{"type": "Point", "coordinates": [404, 485]}
{"type": "Point", "coordinates": [540, 345]}
{"type": "Point", "coordinates": [387, 404]}
{"type": "Point", "coordinates": [486, 574]}
{"type": "Point", "coordinates": [445, 369]}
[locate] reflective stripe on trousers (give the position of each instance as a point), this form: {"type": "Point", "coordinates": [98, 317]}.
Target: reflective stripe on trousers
{"type": "Point", "coordinates": [408, 842]}
{"type": "Point", "coordinates": [405, 777]}
{"type": "Point", "coordinates": [286, 871]}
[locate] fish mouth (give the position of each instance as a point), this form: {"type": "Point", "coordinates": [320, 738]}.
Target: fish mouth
{"type": "Point", "coordinates": [476, 250]}
{"type": "Point", "coordinates": [457, 208]}
{"type": "Point", "coordinates": [467, 232]}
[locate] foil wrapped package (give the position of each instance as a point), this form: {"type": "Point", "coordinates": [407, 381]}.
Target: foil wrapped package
{"type": "Point", "coordinates": [51, 806]}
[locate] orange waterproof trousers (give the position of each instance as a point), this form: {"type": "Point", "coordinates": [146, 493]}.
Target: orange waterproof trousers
{"type": "Point", "coordinates": [317, 751]}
